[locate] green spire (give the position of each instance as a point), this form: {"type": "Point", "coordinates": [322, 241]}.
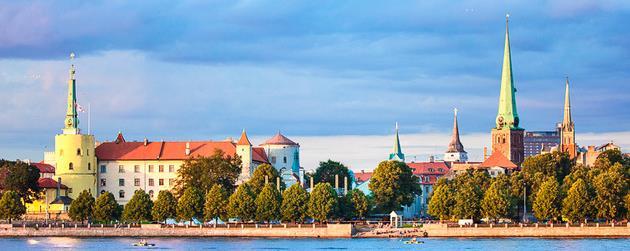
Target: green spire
{"type": "Point", "coordinates": [397, 151]}
{"type": "Point", "coordinates": [507, 116]}
{"type": "Point", "coordinates": [72, 121]}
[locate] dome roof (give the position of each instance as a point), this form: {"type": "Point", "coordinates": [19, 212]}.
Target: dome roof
{"type": "Point", "coordinates": [279, 139]}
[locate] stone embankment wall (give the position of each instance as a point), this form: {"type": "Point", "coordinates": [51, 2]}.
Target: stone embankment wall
{"type": "Point", "coordinates": [328, 231]}
{"type": "Point", "coordinates": [558, 230]}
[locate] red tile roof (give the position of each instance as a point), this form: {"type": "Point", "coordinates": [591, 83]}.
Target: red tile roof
{"type": "Point", "coordinates": [279, 139]}
{"type": "Point", "coordinates": [424, 168]}
{"type": "Point", "coordinates": [258, 154]}
{"type": "Point", "coordinates": [49, 183]}
{"type": "Point", "coordinates": [497, 159]}
{"type": "Point", "coordinates": [44, 168]}
{"type": "Point", "coordinates": [362, 176]}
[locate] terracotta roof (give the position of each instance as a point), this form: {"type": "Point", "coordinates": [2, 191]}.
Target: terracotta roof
{"type": "Point", "coordinates": [171, 150]}
{"type": "Point", "coordinates": [44, 168]}
{"type": "Point", "coordinates": [362, 176]}
{"type": "Point", "coordinates": [49, 183]}
{"type": "Point", "coordinates": [258, 154]}
{"type": "Point", "coordinates": [244, 140]}
{"type": "Point", "coordinates": [279, 139]}
{"type": "Point", "coordinates": [497, 159]}
{"type": "Point", "coordinates": [463, 166]}
{"type": "Point", "coordinates": [423, 168]}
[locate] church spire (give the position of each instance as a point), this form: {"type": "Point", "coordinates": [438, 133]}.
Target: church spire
{"type": "Point", "coordinates": [567, 120]}
{"type": "Point", "coordinates": [397, 151]}
{"type": "Point", "coordinates": [507, 115]}
{"type": "Point", "coordinates": [567, 138]}
{"type": "Point", "coordinates": [455, 145]}
{"type": "Point", "coordinates": [72, 120]}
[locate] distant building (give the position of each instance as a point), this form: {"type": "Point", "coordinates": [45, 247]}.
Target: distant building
{"type": "Point", "coordinates": [497, 164]}
{"type": "Point", "coordinates": [588, 155]}
{"type": "Point", "coordinates": [428, 173]}
{"type": "Point", "coordinates": [567, 129]}
{"type": "Point", "coordinates": [536, 142]}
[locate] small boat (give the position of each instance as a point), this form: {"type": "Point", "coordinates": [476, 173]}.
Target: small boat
{"type": "Point", "coordinates": [413, 241]}
{"type": "Point", "coordinates": [144, 243]}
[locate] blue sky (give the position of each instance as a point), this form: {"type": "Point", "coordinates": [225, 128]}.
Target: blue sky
{"type": "Point", "coordinates": [180, 70]}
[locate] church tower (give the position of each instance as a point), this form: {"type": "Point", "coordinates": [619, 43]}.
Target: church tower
{"type": "Point", "coordinates": [455, 152]}
{"type": "Point", "coordinates": [244, 150]}
{"type": "Point", "coordinates": [567, 132]}
{"type": "Point", "coordinates": [397, 151]}
{"type": "Point", "coordinates": [507, 136]}
{"type": "Point", "coordinates": [74, 152]}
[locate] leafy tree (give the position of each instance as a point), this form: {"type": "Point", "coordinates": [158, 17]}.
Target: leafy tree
{"type": "Point", "coordinates": [442, 200]}
{"type": "Point", "coordinates": [360, 203]}
{"type": "Point", "coordinates": [268, 204]}
{"type": "Point", "coordinates": [577, 204]}
{"type": "Point", "coordinates": [294, 204]}
{"type": "Point", "coordinates": [190, 205]}
{"type": "Point", "coordinates": [106, 208]}
{"type": "Point", "coordinates": [216, 204]}
{"type": "Point", "coordinates": [345, 208]}
{"type": "Point", "coordinates": [21, 178]}
{"type": "Point", "coordinates": [556, 164]}
{"type": "Point", "coordinates": [82, 207]}
{"type": "Point", "coordinates": [11, 206]}
{"type": "Point", "coordinates": [547, 200]}
{"type": "Point", "coordinates": [328, 169]}
{"type": "Point", "coordinates": [138, 208]}
{"type": "Point", "coordinates": [393, 185]}
{"type": "Point", "coordinates": [257, 182]}
{"type": "Point", "coordinates": [610, 187]}
{"type": "Point", "coordinates": [468, 196]}
{"type": "Point", "coordinates": [497, 202]}
{"type": "Point", "coordinates": [627, 200]}
{"type": "Point", "coordinates": [164, 207]}
{"type": "Point", "coordinates": [242, 203]}
{"type": "Point", "coordinates": [322, 203]}
{"type": "Point", "coordinates": [609, 158]}
{"type": "Point", "coordinates": [482, 179]}
{"type": "Point", "coordinates": [579, 172]}
{"type": "Point", "coordinates": [203, 172]}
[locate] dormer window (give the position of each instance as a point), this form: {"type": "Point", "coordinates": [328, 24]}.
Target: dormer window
{"type": "Point", "coordinates": [431, 170]}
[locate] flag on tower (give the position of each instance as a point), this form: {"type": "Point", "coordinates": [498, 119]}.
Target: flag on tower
{"type": "Point", "coordinates": [79, 107]}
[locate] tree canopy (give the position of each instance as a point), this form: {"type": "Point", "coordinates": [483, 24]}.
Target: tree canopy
{"type": "Point", "coordinates": [268, 204]}
{"type": "Point", "coordinates": [360, 203]}
{"type": "Point", "coordinates": [242, 203]}
{"type": "Point", "coordinates": [610, 188]}
{"type": "Point", "coordinates": [164, 207]}
{"type": "Point", "coordinates": [257, 182]}
{"type": "Point", "coordinates": [106, 208]}
{"type": "Point", "coordinates": [327, 170]}
{"type": "Point", "coordinates": [204, 172]}
{"type": "Point", "coordinates": [138, 208]}
{"type": "Point", "coordinates": [468, 195]}
{"type": "Point", "coordinates": [498, 202]}
{"type": "Point", "coordinates": [21, 178]}
{"type": "Point", "coordinates": [82, 207]}
{"type": "Point", "coordinates": [190, 205]}
{"type": "Point", "coordinates": [442, 200]}
{"type": "Point", "coordinates": [393, 185]}
{"type": "Point", "coordinates": [323, 202]}
{"type": "Point", "coordinates": [294, 203]}
{"type": "Point", "coordinates": [216, 203]}
{"type": "Point", "coordinates": [547, 201]}
{"type": "Point", "coordinates": [11, 206]}
{"type": "Point", "coordinates": [577, 204]}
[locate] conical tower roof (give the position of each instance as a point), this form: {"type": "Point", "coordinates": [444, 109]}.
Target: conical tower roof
{"type": "Point", "coordinates": [567, 120]}
{"type": "Point", "coordinates": [279, 139]}
{"type": "Point", "coordinates": [507, 116]}
{"type": "Point", "coordinates": [455, 146]}
{"type": "Point", "coordinates": [244, 140]}
{"type": "Point", "coordinates": [397, 151]}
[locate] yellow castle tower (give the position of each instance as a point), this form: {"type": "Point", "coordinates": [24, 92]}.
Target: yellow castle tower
{"type": "Point", "coordinates": [74, 152]}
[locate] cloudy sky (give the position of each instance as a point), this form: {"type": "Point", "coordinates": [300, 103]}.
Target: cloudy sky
{"type": "Point", "coordinates": [333, 75]}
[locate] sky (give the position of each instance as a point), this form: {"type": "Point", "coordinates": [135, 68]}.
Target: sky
{"type": "Point", "coordinates": [334, 76]}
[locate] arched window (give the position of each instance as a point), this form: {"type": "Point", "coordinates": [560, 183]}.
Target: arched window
{"type": "Point", "coordinates": [151, 194]}
{"type": "Point", "coordinates": [284, 159]}
{"type": "Point", "coordinates": [70, 166]}
{"type": "Point", "coordinates": [89, 166]}
{"type": "Point", "coordinates": [121, 194]}
{"type": "Point", "coordinates": [78, 151]}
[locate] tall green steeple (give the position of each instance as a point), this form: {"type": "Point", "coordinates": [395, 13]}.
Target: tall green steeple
{"type": "Point", "coordinates": [72, 120]}
{"type": "Point", "coordinates": [397, 151]}
{"type": "Point", "coordinates": [507, 117]}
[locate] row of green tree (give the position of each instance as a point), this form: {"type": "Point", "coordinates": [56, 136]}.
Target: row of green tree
{"type": "Point", "coordinates": [555, 188]}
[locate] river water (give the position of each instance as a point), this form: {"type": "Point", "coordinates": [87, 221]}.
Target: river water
{"type": "Point", "coordinates": [58, 243]}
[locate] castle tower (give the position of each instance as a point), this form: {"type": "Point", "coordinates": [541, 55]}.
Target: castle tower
{"type": "Point", "coordinates": [74, 152]}
{"type": "Point", "coordinates": [244, 150]}
{"type": "Point", "coordinates": [397, 151]}
{"type": "Point", "coordinates": [567, 131]}
{"type": "Point", "coordinates": [507, 136]}
{"type": "Point", "coordinates": [455, 152]}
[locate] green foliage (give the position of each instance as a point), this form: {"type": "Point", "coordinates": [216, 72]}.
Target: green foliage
{"type": "Point", "coordinates": [268, 204]}
{"type": "Point", "coordinates": [627, 200]}
{"type": "Point", "coordinates": [610, 187]}
{"type": "Point", "coordinates": [498, 202]}
{"type": "Point", "coordinates": [442, 200]}
{"type": "Point", "coordinates": [294, 204]}
{"type": "Point", "coordinates": [164, 207]}
{"type": "Point", "coordinates": [393, 185]}
{"type": "Point", "coordinates": [323, 202]}
{"type": "Point", "coordinates": [11, 206]}
{"type": "Point", "coordinates": [328, 169]}
{"type": "Point", "coordinates": [106, 208]}
{"type": "Point", "coordinates": [547, 201]}
{"type": "Point", "coordinates": [204, 172]}
{"type": "Point", "coordinates": [216, 204]}
{"type": "Point", "coordinates": [537, 169]}
{"type": "Point", "coordinates": [190, 204]}
{"type": "Point", "coordinates": [21, 178]}
{"type": "Point", "coordinates": [257, 182]}
{"type": "Point", "coordinates": [482, 179]}
{"type": "Point", "coordinates": [468, 196]}
{"type": "Point", "coordinates": [138, 208]}
{"type": "Point", "coordinates": [82, 207]}
{"type": "Point", "coordinates": [360, 203]}
{"type": "Point", "coordinates": [242, 203]}
{"type": "Point", "coordinates": [577, 204]}
{"type": "Point", "coordinates": [611, 157]}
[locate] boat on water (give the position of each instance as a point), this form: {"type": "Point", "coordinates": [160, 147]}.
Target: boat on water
{"type": "Point", "coordinates": [144, 243]}
{"type": "Point", "coordinates": [413, 241]}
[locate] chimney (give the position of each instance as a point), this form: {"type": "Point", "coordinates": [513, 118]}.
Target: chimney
{"type": "Point", "coordinates": [58, 187]}
{"type": "Point", "coordinates": [187, 148]}
{"type": "Point", "coordinates": [146, 141]}
{"type": "Point", "coordinates": [431, 158]}
{"type": "Point", "coordinates": [485, 153]}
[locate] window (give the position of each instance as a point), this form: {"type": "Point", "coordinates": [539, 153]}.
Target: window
{"type": "Point", "coordinates": [121, 169]}
{"type": "Point", "coordinates": [103, 169]}
{"type": "Point", "coordinates": [121, 194]}
{"type": "Point", "coordinates": [136, 168]}
{"type": "Point", "coordinates": [79, 151]}
{"type": "Point", "coordinates": [89, 166]}
{"type": "Point", "coordinates": [440, 170]}
{"type": "Point", "coordinates": [103, 182]}
{"type": "Point", "coordinates": [121, 182]}
{"type": "Point", "coordinates": [136, 182]}
{"type": "Point", "coordinates": [161, 168]}
{"type": "Point", "coordinates": [431, 170]}
{"type": "Point", "coordinates": [171, 182]}
{"type": "Point", "coordinates": [171, 168]}
{"type": "Point", "coordinates": [102, 191]}
{"type": "Point", "coordinates": [161, 182]}
{"type": "Point", "coordinates": [151, 194]}
{"type": "Point", "coordinates": [273, 159]}
{"type": "Point", "coordinates": [150, 168]}
{"type": "Point", "coordinates": [150, 182]}
{"type": "Point", "coordinates": [284, 159]}
{"type": "Point", "coordinates": [70, 166]}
